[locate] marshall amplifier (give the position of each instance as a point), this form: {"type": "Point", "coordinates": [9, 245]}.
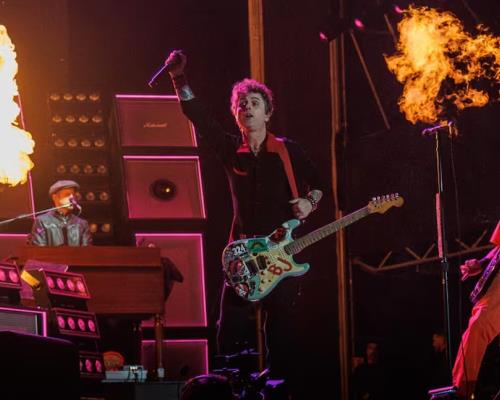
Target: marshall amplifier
{"type": "Point", "coordinates": [152, 121]}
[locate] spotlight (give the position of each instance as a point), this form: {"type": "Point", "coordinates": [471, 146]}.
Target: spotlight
{"type": "Point", "coordinates": [163, 189]}
{"type": "Point", "coordinates": [81, 97]}
{"type": "Point", "coordinates": [97, 119]}
{"type": "Point", "coordinates": [91, 365]}
{"type": "Point", "coordinates": [72, 143]}
{"type": "Point", "coordinates": [83, 119]}
{"type": "Point", "coordinates": [358, 23]}
{"type": "Point", "coordinates": [68, 96]}
{"type": "Point", "coordinates": [10, 283]}
{"type": "Point", "coordinates": [90, 196]}
{"type": "Point", "coordinates": [56, 119]}
{"type": "Point", "coordinates": [86, 143]}
{"type": "Point", "coordinates": [99, 143]}
{"type": "Point", "coordinates": [9, 276]}
{"type": "Point", "coordinates": [397, 9]}
{"type": "Point", "coordinates": [88, 169]}
{"type": "Point", "coordinates": [94, 97]}
{"type": "Point", "coordinates": [61, 169]}
{"type": "Point", "coordinates": [104, 196]}
{"type": "Point", "coordinates": [93, 227]}
{"type": "Point", "coordinates": [102, 169]}
{"type": "Point", "coordinates": [106, 228]}
{"type": "Point", "coordinates": [75, 169]}
{"type": "Point", "coordinates": [59, 143]}
{"type": "Point", "coordinates": [55, 97]}
{"type": "Point", "coordinates": [70, 119]}
{"type": "Point", "coordinates": [68, 323]}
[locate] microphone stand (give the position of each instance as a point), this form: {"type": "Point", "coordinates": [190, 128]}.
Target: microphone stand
{"type": "Point", "coordinates": [442, 243]}
{"type": "Point", "coordinates": [29, 215]}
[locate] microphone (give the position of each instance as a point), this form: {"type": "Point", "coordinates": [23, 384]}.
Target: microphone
{"type": "Point", "coordinates": [168, 66]}
{"type": "Point", "coordinates": [451, 125]}
{"type": "Point", "coordinates": [74, 204]}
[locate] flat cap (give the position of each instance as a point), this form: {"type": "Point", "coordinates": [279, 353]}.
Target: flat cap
{"type": "Point", "coordinates": [64, 184]}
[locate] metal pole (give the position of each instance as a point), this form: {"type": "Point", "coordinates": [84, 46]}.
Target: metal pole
{"type": "Point", "coordinates": [442, 244]}
{"type": "Point", "coordinates": [256, 44]}
{"type": "Point", "coordinates": [338, 140]}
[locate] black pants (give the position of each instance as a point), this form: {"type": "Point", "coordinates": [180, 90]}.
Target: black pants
{"type": "Point", "coordinates": [238, 330]}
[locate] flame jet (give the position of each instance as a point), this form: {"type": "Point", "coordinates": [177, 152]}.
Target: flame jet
{"type": "Point", "coordinates": [443, 68]}
{"type": "Point", "coordinates": [16, 144]}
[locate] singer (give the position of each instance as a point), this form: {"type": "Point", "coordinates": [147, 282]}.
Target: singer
{"type": "Point", "coordinates": [61, 227]}
{"type": "Point", "coordinates": [272, 180]}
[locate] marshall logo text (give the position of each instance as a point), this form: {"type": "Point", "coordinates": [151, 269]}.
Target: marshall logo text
{"type": "Point", "coordinates": [155, 125]}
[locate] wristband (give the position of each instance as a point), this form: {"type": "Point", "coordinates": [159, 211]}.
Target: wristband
{"type": "Point", "coordinates": [313, 201]}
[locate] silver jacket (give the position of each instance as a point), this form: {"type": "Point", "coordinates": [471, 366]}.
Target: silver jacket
{"type": "Point", "coordinates": [55, 229]}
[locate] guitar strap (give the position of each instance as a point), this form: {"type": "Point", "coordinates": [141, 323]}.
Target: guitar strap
{"type": "Point", "coordinates": [277, 145]}
{"type": "Point", "coordinates": [487, 277]}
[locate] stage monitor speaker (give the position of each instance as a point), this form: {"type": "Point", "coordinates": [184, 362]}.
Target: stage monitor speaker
{"type": "Point", "coordinates": [152, 121]}
{"type": "Point", "coordinates": [182, 359]}
{"type": "Point", "coordinates": [16, 200]}
{"type": "Point", "coordinates": [163, 187]}
{"type": "Point", "coordinates": [36, 367]}
{"type": "Point", "coordinates": [23, 320]}
{"type": "Point", "coordinates": [164, 390]}
{"type": "Point", "coordinates": [185, 307]}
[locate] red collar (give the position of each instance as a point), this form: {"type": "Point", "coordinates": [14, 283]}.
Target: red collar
{"type": "Point", "coordinates": [272, 144]}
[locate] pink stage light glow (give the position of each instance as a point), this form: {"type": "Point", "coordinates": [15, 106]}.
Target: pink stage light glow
{"type": "Point", "coordinates": [359, 24]}
{"type": "Point", "coordinates": [176, 313]}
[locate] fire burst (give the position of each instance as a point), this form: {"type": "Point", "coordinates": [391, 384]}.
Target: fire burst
{"type": "Point", "coordinates": [15, 143]}
{"type": "Point", "coordinates": [442, 66]}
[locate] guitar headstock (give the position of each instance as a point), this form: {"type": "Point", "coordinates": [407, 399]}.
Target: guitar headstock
{"type": "Point", "coordinates": [381, 204]}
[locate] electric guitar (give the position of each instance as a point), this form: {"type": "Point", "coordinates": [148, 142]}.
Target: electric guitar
{"type": "Point", "coordinates": [484, 282]}
{"type": "Point", "coordinates": [253, 267]}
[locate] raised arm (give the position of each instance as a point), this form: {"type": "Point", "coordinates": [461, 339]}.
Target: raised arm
{"type": "Point", "coordinates": [207, 128]}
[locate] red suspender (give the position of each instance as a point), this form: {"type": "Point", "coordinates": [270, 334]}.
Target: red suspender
{"type": "Point", "coordinates": [277, 145]}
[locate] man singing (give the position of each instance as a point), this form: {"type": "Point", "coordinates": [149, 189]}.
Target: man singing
{"type": "Point", "coordinates": [61, 227]}
{"type": "Point", "coordinates": [271, 181]}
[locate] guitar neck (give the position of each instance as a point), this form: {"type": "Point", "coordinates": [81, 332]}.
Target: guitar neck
{"type": "Point", "coordinates": [300, 244]}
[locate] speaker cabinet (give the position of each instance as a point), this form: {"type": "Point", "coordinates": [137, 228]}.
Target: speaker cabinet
{"type": "Point", "coordinates": [152, 121]}
{"type": "Point", "coordinates": [182, 359]}
{"type": "Point", "coordinates": [163, 187]}
{"type": "Point", "coordinates": [35, 367]}
{"type": "Point", "coordinates": [185, 307]}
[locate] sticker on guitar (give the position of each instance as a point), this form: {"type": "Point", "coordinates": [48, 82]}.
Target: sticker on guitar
{"type": "Point", "coordinates": [253, 267]}
{"type": "Point", "coordinates": [239, 250]}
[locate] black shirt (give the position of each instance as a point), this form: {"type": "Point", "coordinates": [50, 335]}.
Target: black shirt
{"type": "Point", "coordinates": [259, 184]}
